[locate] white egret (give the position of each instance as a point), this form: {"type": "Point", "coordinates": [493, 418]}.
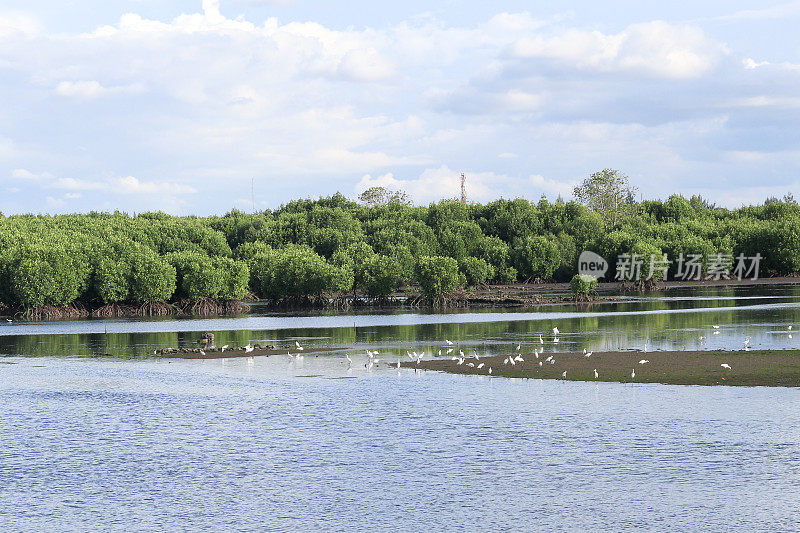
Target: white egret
{"type": "Point", "coordinates": [519, 359]}
{"type": "Point", "coordinates": [595, 374]}
{"type": "Point", "coordinates": [490, 370]}
{"type": "Point", "coordinates": [587, 354]}
{"type": "Point", "coordinates": [449, 351]}
{"type": "Point", "coordinates": [790, 328]}
{"type": "Point", "coordinates": [715, 326]}
{"type": "Point", "coordinates": [440, 353]}
{"type": "Point", "coordinates": [726, 366]}
{"type": "Point", "coordinates": [643, 361]}
{"type": "Point", "coordinates": [349, 361]}
{"type": "Point", "coordinates": [564, 374]}
{"type": "Point", "coordinates": [633, 373]}
{"type": "Point", "coordinates": [454, 358]}
{"type": "Point", "coordinates": [549, 358]}
{"type": "Point", "coordinates": [555, 331]}
{"type": "Point", "coordinates": [298, 345]}
{"type": "Point", "coordinates": [460, 361]}
{"type": "Point", "coordinates": [513, 363]}
{"type": "Point", "coordinates": [540, 363]}
{"type": "Point", "coordinates": [448, 342]}
{"type": "Point", "coordinates": [248, 349]}
{"type": "Point", "coordinates": [202, 352]}
{"type": "Point", "coordinates": [471, 365]}
{"type": "Point", "coordinates": [555, 340]}
{"type": "Point", "coordinates": [541, 340]}
{"type": "Point", "coordinates": [225, 347]}
{"type": "Point", "coordinates": [481, 365]}
{"type": "Point", "coordinates": [398, 363]}
{"type": "Point", "coordinates": [552, 361]}
{"type": "Point", "coordinates": [519, 346]}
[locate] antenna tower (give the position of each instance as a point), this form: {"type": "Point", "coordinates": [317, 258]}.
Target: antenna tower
{"type": "Point", "coordinates": [463, 188]}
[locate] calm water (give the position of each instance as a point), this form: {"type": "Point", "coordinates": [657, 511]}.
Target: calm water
{"type": "Point", "coordinates": [133, 442]}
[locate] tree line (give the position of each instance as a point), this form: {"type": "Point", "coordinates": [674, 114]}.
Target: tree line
{"type": "Point", "coordinates": [309, 251]}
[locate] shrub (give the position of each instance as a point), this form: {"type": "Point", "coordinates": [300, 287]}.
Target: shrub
{"type": "Point", "coordinates": [436, 276]}
{"type": "Point", "coordinates": [583, 285]}
{"type": "Point", "coordinates": [475, 270]}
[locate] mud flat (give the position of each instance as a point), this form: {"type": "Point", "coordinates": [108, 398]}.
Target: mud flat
{"type": "Point", "coordinates": [767, 368]}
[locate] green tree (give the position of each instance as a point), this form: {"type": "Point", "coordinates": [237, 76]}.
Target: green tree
{"type": "Point", "coordinates": [607, 193]}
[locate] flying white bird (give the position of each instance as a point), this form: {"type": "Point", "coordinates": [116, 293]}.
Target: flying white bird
{"type": "Point", "coordinates": [725, 365]}
{"type": "Point", "coordinates": [643, 361]}
{"type": "Point", "coordinates": [595, 374]}
{"type": "Point", "coordinates": [298, 345]}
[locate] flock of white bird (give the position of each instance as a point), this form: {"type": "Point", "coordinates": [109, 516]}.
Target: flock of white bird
{"type": "Point", "coordinates": [449, 348]}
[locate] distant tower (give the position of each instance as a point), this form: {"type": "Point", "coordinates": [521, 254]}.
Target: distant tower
{"type": "Point", "coordinates": [463, 188]}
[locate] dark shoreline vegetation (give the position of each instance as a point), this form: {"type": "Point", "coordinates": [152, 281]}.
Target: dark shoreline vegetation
{"type": "Point", "coordinates": [753, 368]}
{"type": "Point", "coordinates": [339, 253]}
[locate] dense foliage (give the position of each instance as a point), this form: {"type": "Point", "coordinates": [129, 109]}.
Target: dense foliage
{"type": "Point", "coordinates": [312, 250]}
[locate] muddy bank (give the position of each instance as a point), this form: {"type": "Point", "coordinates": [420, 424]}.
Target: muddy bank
{"type": "Point", "coordinates": [769, 368]}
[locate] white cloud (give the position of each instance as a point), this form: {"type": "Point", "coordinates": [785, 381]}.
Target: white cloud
{"type": "Point", "coordinates": [131, 185]}
{"type": "Point", "coordinates": [24, 174]}
{"type": "Point", "coordinates": [91, 89]}
{"type": "Point", "coordinates": [434, 184]}
{"type": "Point", "coordinates": [16, 25]}
{"type": "Point", "coordinates": [365, 65]}
{"type": "Point", "coordinates": [652, 48]}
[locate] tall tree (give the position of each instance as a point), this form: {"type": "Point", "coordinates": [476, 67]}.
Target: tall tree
{"type": "Point", "coordinates": [607, 193]}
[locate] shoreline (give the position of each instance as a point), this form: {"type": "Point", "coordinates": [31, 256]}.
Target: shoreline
{"type": "Point", "coordinates": [501, 295]}
{"type": "Point", "coordinates": [752, 368]}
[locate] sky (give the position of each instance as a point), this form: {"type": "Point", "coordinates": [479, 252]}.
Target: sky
{"type": "Point", "coordinates": [198, 107]}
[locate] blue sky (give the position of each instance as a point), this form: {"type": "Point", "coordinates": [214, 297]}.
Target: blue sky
{"type": "Point", "coordinates": [144, 105]}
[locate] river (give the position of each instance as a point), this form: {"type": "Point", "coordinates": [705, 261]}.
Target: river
{"type": "Point", "coordinates": [129, 441]}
